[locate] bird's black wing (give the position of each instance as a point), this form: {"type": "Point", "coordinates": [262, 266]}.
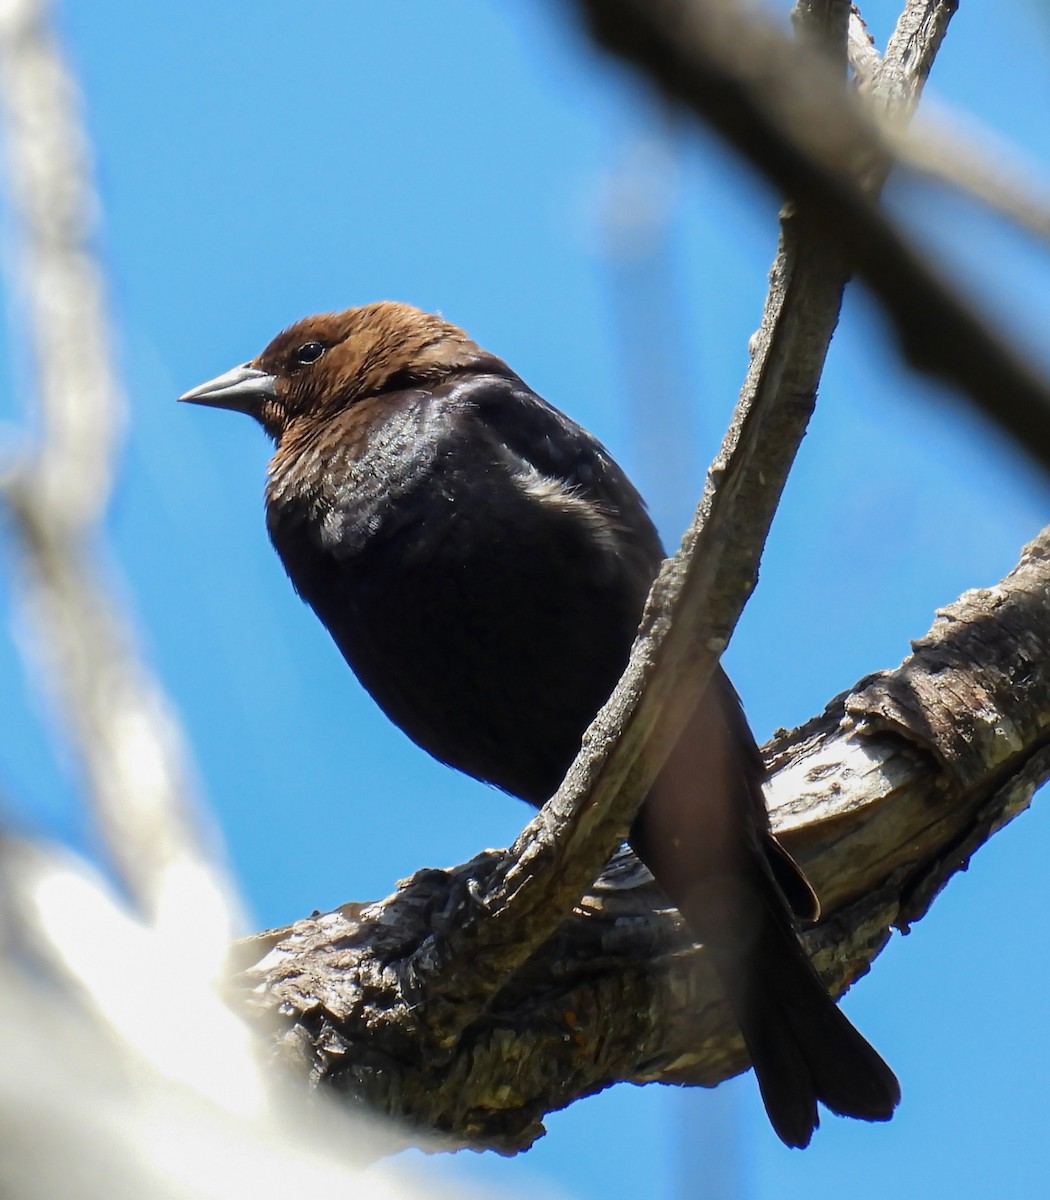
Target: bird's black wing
{"type": "Point", "coordinates": [561, 461]}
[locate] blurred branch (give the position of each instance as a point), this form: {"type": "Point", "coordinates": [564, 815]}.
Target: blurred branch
{"type": "Point", "coordinates": [967, 159]}
{"type": "Point", "coordinates": [789, 113]}
{"type": "Point", "coordinates": [126, 737]}
{"type": "Point", "coordinates": [144, 1083]}
{"type": "Point", "coordinates": [882, 798]}
{"type": "Point", "coordinates": [124, 1076]}
{"type": "Point", "coordinates": [963, 157]}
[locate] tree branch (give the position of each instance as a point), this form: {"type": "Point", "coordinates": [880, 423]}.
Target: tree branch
{"type": "Point", "coordinates": [882, 797]}
{"type": "Point", "coordinates": [521, 896]}
{"type": "Point", "coordinates": [692, 610]}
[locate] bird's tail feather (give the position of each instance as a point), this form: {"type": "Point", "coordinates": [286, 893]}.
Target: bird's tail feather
{"type": "Point", "coordinates": [704, 833]}
{"type": "Point", "coordinates": [802, 1045]}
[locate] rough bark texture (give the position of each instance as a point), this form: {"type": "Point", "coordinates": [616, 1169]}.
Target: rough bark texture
{"type": "Point", "coordinates": [882, 797]}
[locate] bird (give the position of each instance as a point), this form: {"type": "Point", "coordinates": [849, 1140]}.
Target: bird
{"type": "Point", "coordinates": [482, 563]}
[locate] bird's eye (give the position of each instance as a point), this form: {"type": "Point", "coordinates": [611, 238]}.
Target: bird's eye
{"type": "Point", "coordinates": [308, 352]}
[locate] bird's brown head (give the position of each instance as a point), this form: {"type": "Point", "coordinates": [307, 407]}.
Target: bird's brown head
{"type": "Point", "coordinates": [324, 364]}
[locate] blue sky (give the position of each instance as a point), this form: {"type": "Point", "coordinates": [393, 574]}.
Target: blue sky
{"type": "Point", "coordinates": [258, 166]}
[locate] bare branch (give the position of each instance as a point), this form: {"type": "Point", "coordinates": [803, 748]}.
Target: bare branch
{"type": "Point", "coordinates": [692, 609]}
{"type": "Point", "coordinates": [910, 53]}
{"type": "Point", "coordinates": [943, 148]}
{"type": "Point", "coordinates": [864, 58]}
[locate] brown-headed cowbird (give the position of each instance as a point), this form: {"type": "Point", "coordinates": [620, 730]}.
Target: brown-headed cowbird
{"type": "Point", "coordinates": [482, 563]}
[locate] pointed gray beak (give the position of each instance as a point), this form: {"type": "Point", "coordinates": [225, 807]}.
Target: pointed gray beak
{"type": "Point", "coordinates": [242, 390]}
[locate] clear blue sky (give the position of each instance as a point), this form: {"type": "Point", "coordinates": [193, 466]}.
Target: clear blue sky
{"type": "Point", "coordinates": [260, 162]}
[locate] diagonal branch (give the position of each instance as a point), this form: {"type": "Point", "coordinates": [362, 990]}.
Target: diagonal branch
{"type": "Point", "coordinates": [520, 896]}
{"type": "Point", "coordinates": [692, 609]}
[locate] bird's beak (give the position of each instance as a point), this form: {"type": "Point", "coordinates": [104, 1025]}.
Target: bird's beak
{"type": "Point", "coordinates": [243, 389]}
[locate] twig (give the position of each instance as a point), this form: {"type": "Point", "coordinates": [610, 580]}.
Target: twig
{"type": "Point", "coordinates": [946, 149]}
{"type": "Point", "coordinates": [864, 59]}
{"type": "Point", "coordinates": [910, 52]}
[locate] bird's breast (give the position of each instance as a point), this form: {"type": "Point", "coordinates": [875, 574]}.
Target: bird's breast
{"type": "Point", "coordinates": [487, 609]}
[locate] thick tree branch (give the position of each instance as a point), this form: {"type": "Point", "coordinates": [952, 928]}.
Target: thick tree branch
{"type": "Point", "coordinates": [883, 797]}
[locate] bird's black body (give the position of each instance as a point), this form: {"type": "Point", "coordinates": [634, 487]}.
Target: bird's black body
{"type": "Point", "coordinates": [458, 600]}
{"type": "Point", "coordinates": [482, 563]}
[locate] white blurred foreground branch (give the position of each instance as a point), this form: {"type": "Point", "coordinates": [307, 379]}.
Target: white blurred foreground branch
{"type": "Point", "coordinates": [80, 639]}
{"type": "Point", "coordinates": [144, 1084]}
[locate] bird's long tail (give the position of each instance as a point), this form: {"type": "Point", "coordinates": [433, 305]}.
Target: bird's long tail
{"type": "Point", "coordinates": [704, 834]}
{"type": "Point", "coordinates": [803, 1047]}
